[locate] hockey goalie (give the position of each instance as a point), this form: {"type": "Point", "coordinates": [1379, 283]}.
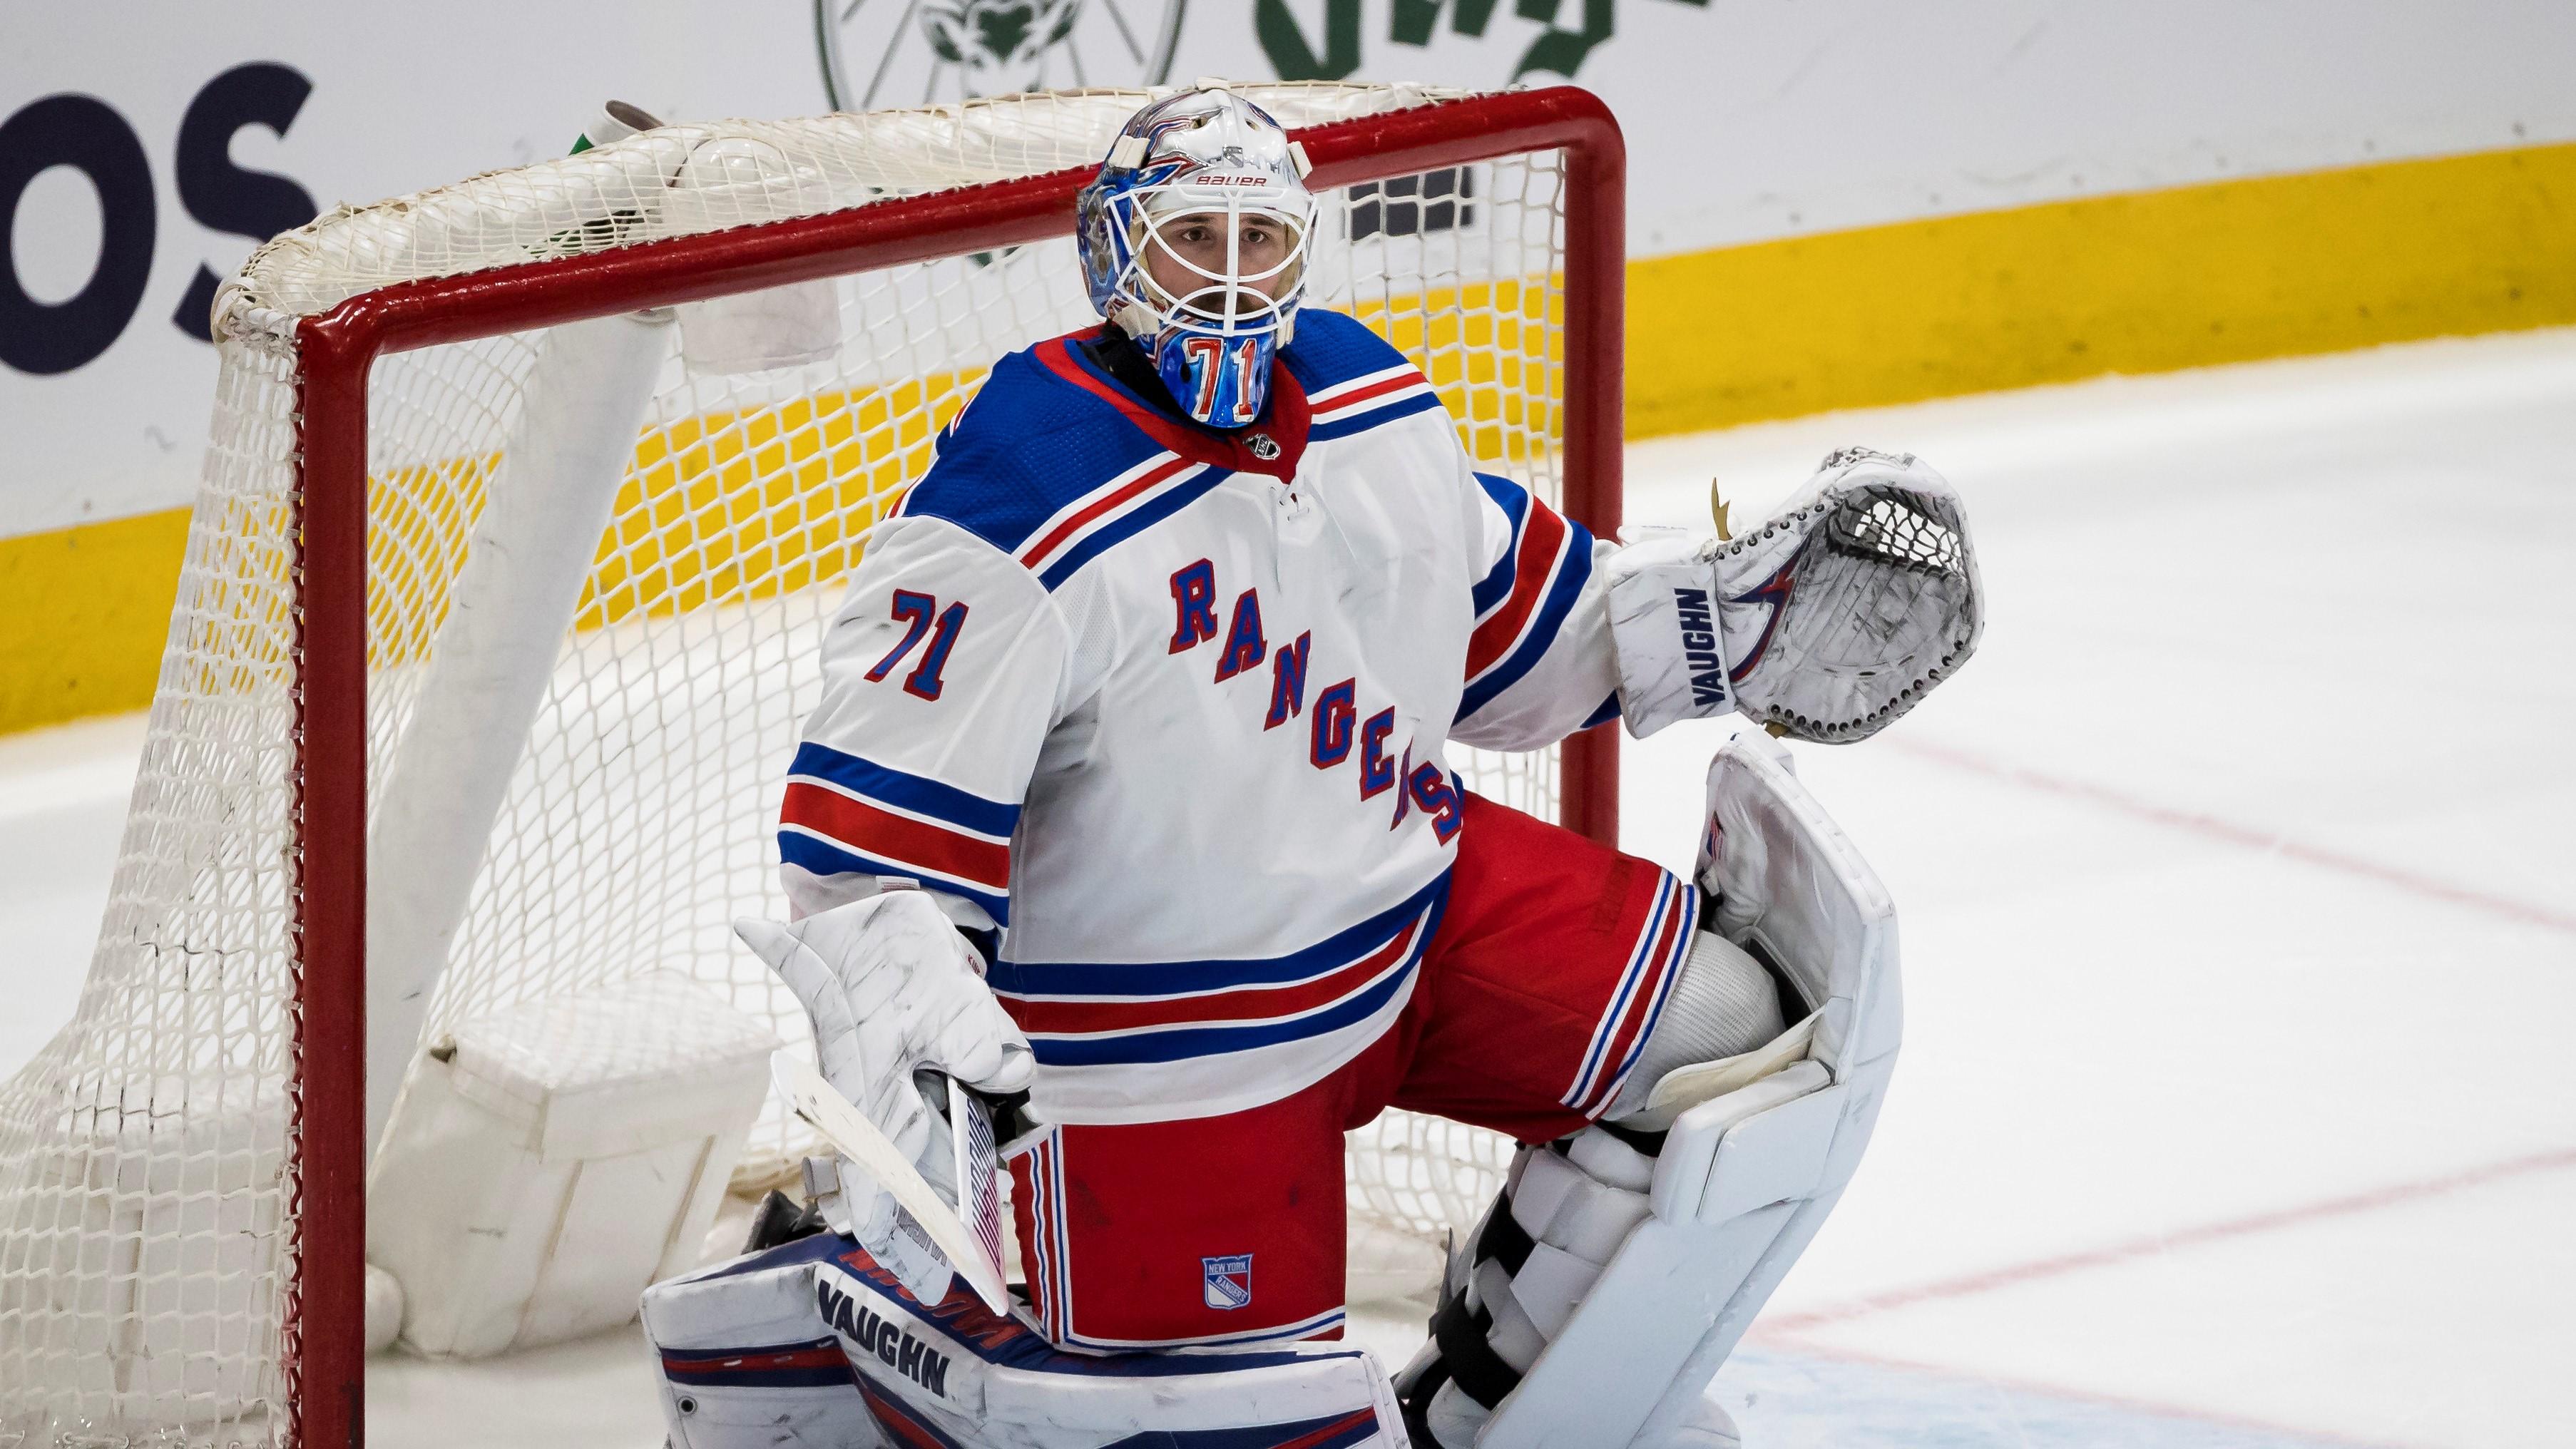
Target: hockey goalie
{"type": "Point", "coordinates": [1128, 806]}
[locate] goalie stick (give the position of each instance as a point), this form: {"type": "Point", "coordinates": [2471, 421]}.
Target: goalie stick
{"type": "Point", "coordinates": [975, 1253]}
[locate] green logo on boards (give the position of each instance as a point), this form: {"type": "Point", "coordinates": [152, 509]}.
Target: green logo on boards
{"type": "Point", "coordinates": [883, 53]}
{"type": "Point", "coordinates": [1559, 49]}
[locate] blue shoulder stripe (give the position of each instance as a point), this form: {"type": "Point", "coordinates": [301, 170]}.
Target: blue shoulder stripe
{"type": "Point", "coordinates": [916, 793]}
{"type": "Point", "coordinates": [1421, 402]}
{"type": "Point", "coordinates": [1126, 526]}
{"type": "Point", "coordinates": [1561, 594]}
{"type": "Point", "coordinates": [1514, 500]}
{"type": "Point", "coordinates": [1334, 347]}
{"type": "Point", "coordinates": [1026, 446]}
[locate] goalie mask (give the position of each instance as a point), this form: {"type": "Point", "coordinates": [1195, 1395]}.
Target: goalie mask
{"type": "Point", "coordinates": [1193, 240]}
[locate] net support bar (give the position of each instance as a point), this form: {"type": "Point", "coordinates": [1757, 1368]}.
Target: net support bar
{"type": "Point", "coordinates": [513, 600]}
{"type": "Point", "coordinates": [322, 1356]}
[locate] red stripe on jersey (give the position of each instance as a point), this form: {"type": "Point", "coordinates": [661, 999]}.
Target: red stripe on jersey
{"type": "Point", "coordinates": [871, 831]}
{"type": "Point", "coordinates": [1252, 1003]}
{"type": "Point", "coordinates": [1541, 539]}
{"type": "Point", "coordinates": [1641, 1004]}
{"type": "Point", "coordinates": [1376, 389]}
{"type": "Point", "coordinates": [1115, 498]}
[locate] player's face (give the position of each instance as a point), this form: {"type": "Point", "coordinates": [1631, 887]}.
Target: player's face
{"type": "Point", "coordinates": [1186, 257]}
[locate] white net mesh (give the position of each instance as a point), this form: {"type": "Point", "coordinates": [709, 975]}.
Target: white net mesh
{"type": "Point", "coordinates": [146, 1232]}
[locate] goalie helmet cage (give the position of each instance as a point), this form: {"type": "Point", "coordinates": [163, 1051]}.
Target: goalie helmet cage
{"type": "Point", "coordinates": [213, 1089]}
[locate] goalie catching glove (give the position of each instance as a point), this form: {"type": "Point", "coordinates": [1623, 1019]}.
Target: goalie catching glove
{"type": "Point", "coordinates": [893, 990]}
{"type": "Point", "coordinates": [1826, 623]}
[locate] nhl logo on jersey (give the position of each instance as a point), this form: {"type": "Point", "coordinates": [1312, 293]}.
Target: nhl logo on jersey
{"type": "Point", "coordinates": [1263, 446]}
{"type": "Point", "coordinates": [1226, 1282]}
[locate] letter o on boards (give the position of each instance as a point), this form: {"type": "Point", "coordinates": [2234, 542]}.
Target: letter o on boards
{"type": "Point", "coordinates": [86, 133]}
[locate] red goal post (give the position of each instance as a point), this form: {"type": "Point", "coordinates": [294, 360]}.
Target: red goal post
{"type": "Point", "coordinates": [321, 1354]}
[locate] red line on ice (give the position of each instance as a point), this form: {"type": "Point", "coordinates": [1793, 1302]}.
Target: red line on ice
{"type": "Point", "coordinates": [2250, 837]}
{"type": "Point", "coordinates": [2042, 1387]}
{"type": "Point", "coordinates": [1970, 1284]}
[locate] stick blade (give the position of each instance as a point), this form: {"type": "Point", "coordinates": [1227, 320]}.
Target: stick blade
{"type": "Point", "coordinates": [853, 1136]}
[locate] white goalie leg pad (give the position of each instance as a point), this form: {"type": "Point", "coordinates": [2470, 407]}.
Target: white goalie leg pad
{"type": "Point", "coordinates": [812, 1342]}
{"type": "Point", "coordinates": [1621, 1265]}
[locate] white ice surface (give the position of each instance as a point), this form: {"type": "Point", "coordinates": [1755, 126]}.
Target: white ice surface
{"type": "Point", "coordinates": [2239, 897]}
{"type": "Point", "coordinates": [2236, 877]}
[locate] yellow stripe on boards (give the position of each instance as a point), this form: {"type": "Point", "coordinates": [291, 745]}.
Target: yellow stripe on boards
{"type": "Point", "coordinates": [83, 612]}
{"type": "Point", "coordinates": [2272, 266]}
{"type": "Point", "coordinates": [2144, 282]}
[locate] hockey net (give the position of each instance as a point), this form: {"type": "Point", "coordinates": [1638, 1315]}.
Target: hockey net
{"type": "Point", "coordinates": [570, 775]}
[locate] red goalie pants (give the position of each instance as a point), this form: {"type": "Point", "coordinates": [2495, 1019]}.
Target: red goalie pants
{"type": "Point", "coordinates": [1552, 957]}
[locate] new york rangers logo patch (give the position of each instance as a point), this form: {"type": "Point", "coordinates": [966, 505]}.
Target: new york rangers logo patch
{"type": "Point", "coordinates": [1226, 1282]}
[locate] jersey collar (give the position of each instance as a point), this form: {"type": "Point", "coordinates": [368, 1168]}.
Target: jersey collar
{"type": "Point", "coordinates": [1282, 426]}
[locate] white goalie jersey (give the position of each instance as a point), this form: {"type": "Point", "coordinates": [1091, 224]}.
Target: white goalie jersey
{"type": "Point", "coordinates": [1169, 708]}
